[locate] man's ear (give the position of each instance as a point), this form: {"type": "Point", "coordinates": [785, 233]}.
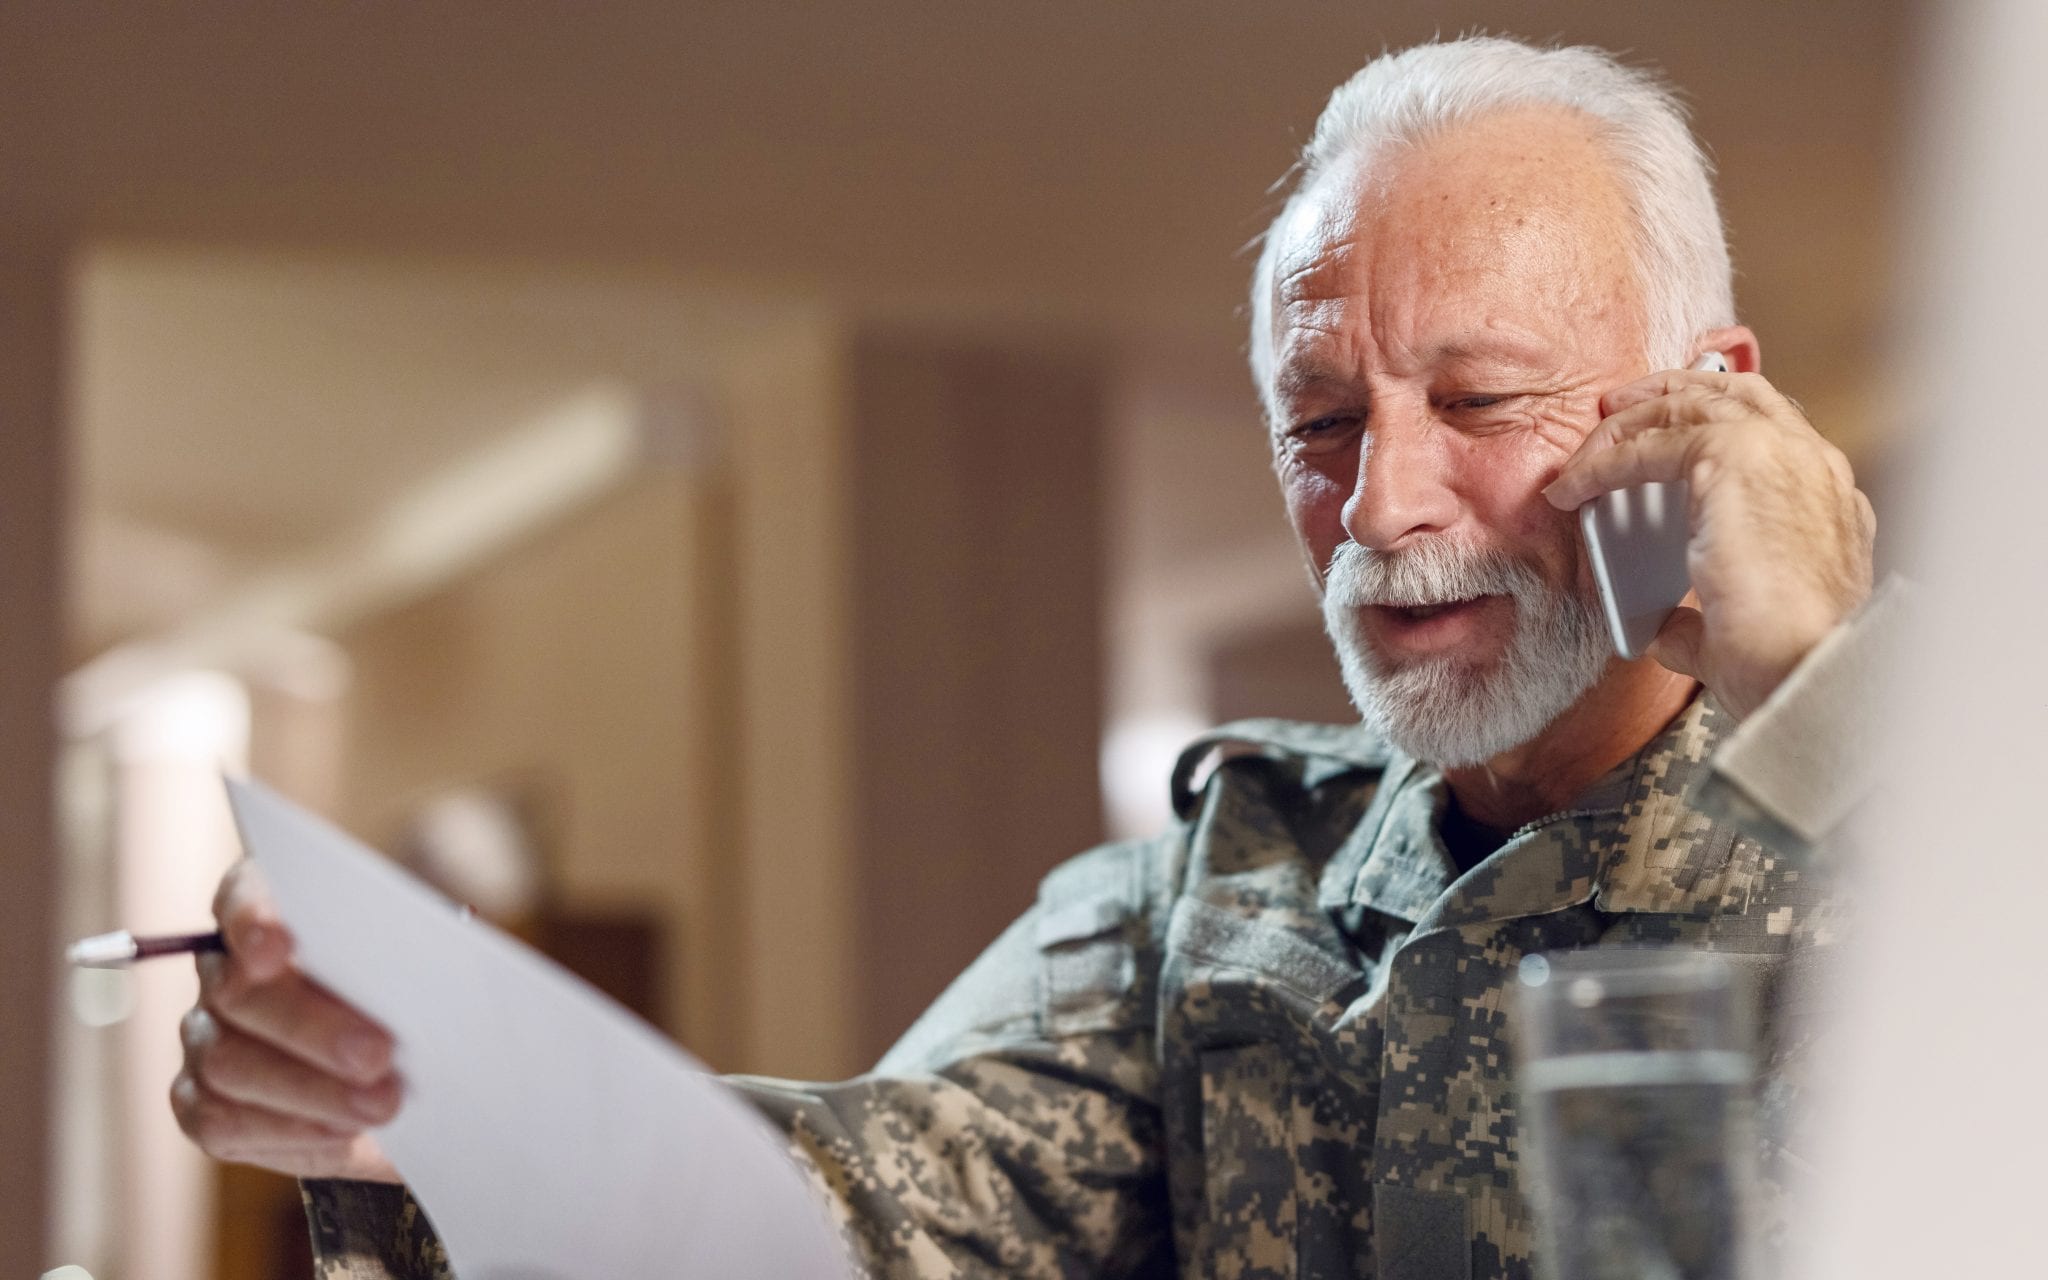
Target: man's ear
{"type": "Point", "coordinates": [1745, 354]}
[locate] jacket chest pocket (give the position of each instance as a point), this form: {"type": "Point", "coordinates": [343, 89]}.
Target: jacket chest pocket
{"type": "Point", "coordinates": [1285, 1107]}
{"type": "Point", "coordinates": [1249, 1139]}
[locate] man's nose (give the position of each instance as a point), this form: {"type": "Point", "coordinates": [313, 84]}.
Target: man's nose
{"type": "Point", "coordinates": [1402, 487]}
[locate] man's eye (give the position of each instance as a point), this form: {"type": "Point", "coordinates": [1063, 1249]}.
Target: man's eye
{"type": "Point", "coordinates": [1324, 432]}
{"type": "Point", "coordinates": [1476, 402]}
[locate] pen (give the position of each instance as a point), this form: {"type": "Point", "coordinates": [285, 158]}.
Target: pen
{"type": "Point", "coordinates": [120, 949]}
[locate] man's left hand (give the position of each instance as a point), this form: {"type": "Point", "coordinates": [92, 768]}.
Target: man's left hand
{"type": "Point", "coordinates": [1780, 551]}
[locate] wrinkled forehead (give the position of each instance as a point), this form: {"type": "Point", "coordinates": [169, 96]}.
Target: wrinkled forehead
{"type": "Point", "coordinates": [1531, 190]}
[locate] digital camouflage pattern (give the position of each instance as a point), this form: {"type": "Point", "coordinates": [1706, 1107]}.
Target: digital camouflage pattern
{"type": "Point", "coordinates": [366, 1229]}
{"type": "Point", "coordinates": [1274, 1043]}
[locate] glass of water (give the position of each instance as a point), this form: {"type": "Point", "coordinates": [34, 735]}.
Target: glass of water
{"type": "Point", "coordinates": [1638, 1142]}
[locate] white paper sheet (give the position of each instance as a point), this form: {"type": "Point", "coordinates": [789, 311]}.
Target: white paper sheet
{"type": "Point", "coordinates": [550, 1134]}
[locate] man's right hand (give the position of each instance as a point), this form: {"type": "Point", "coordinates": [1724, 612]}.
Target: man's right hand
{"type": "Point", "coordinates": [278, 1072]}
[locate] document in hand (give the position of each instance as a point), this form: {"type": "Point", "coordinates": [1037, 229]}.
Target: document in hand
{"type": "Point", "coordinates": [549, 1134]}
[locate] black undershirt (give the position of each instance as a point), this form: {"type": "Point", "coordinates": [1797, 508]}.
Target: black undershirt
{"type": "Point", "coordinates": [1468, 842]}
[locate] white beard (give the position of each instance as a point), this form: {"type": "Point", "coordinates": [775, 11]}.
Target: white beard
{"type": "Point", "coordinates": [1448, 710]}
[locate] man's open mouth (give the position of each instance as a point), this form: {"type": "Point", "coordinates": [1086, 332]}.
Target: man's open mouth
{"type": "Point", "coordinates": [1428, 627]}
{"type": "Point", "coordinates": [1418, 612]}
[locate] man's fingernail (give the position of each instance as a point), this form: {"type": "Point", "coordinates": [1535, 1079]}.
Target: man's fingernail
{"type": "Point", "coordinates": [362, 1051]}
{"type": "Point", "coordinates": [369, 1104]}
{"type": "Point", "coordinates": [255, 937]}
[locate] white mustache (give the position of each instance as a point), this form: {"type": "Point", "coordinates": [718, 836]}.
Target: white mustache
{"type": "Point", "coordinates": [1432, 572]}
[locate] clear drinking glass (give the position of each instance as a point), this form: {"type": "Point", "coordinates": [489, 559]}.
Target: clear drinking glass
{"type": "Point", "coordinates": [1639, 1146]}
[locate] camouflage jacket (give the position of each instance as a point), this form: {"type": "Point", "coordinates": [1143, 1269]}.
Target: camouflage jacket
{"type": "Point", "coordinates": [1271, 1043]}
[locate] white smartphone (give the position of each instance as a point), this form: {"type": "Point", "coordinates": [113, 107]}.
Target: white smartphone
{"type": "Point", "coordinates": [1636, 538]}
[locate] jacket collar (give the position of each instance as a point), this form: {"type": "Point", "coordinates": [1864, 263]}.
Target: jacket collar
{"type": "Point", "coordinates": [1323, 750]}
{"type": "Point", "coordinates": [1635, 843]}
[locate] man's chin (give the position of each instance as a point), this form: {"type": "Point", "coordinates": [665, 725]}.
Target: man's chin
{"type": "Point", "coordinates": [1451, 676]}
{"type": "Point", "coordinates": [1454, 711]}
{"type": "Point", "coordinates": [1447, 736]}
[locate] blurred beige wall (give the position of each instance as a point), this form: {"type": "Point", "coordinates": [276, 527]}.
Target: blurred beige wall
{"type": "Point", "coordinates": [975, 521]}
{"type": "Point", "coordinates": [569, 666]}
{"type": "Point", "coordinates": [665, 670]}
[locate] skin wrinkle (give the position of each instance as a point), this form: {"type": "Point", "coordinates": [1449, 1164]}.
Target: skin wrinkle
{"type": "Point", "coordinates": [1492, 260]}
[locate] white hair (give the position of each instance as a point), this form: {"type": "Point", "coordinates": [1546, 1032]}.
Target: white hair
{"type": "Point", "coordinates": [1680, 249]}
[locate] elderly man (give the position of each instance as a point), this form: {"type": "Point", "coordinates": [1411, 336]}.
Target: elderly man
{"type": "Point", "coordinates": [1274, 1040]}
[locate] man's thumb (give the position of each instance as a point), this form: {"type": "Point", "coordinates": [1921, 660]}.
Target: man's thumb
{"type": "Point", "coordinates": [1678, 643]}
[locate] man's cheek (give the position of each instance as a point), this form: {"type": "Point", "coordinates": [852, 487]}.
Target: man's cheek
{"type": "Point", "coordinates": [1514, 478]}
{"type": "Point", "coordinates": [1521, 515]}
{"type": "Point", "coordinates": [1584, 586]}
{"type": "Point", "coordinates": [1551, 539]}
{"type": "Point", "coordinates": [1574, 571]}
{"type": "Point", "coordinates": [1315, 507]}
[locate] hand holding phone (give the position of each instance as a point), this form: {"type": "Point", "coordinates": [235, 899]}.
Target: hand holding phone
{"type": "Point", "coordinates": [1636, 539]}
